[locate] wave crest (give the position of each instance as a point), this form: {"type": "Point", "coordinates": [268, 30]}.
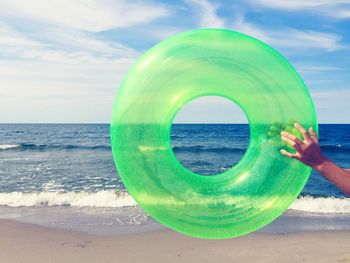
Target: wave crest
{"type": "Point", "coordinates": [44, 147]}
{"type": "Point", "coordinates": [105, 198]}
{"type": "Point", "coordinates": [322, 205]}
{"type": "Point", "coordinates": [8, 146]}
{"type": "Point", "coordinates": [112, 198]}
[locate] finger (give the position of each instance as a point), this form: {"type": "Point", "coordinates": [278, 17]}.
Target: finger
{"type": "Point", "coordinates": [293, 138]}
{"type": "Point", "coordinates": [302, 131]}
{"type": "Point", "coordinates": [290, 155]}
{"type": "Point", "coordinates": [313, 135]}
{"type": "Point", "coordinates": [292, 143]}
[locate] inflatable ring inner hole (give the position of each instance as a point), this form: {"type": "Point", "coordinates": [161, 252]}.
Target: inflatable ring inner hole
{"type": "Point", "coordinates": [209, 135]}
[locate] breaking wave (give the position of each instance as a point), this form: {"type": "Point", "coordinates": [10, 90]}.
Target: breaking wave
{"type": "Point", "coordinates": [112, 198]}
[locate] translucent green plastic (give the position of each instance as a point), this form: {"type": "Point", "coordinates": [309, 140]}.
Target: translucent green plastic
{"type": "Point", "coordinates": [213, 62]}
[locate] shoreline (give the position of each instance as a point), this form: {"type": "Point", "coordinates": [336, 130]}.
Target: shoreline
{"type": "Point", "coordinates": [130, 220]}
{"type": "Point", "coordinates": [24, 242]}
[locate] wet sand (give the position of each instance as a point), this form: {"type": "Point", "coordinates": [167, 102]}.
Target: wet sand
{"type": "Point", "coordinates": [22, 242]}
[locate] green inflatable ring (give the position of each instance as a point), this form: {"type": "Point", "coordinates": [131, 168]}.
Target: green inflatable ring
{"type": "Point", "coordinates": [200, 63]}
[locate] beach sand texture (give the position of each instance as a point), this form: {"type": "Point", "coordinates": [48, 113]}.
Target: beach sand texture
{"type": "Point", "coordinates": [21, 242]}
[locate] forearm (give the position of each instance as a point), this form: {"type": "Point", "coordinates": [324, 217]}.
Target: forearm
{"type": "Point", "coordinates": [335, 174]}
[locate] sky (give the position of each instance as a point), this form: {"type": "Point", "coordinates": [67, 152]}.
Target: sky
{"type": "Point", "coordinates": [62, 61]}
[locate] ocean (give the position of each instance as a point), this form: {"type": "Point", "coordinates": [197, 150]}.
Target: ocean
{"type": "Point", "coordinates": [63, 175]}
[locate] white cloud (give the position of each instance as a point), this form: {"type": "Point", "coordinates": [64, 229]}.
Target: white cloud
{"type": "Point", "coordinates": [207, 14]}
{"type": "Point", "coordinates": [44, 82]}
{"type": "Point", "coordinates": [241, 25]}
{"type": "Point", "coordinates": [54, 67]}
{"type": "Point", "coordinates": [290, 38]}
{"type": "Point", "coordinates": [331, 8]}
{"type": "Point", "coordinates": [86, 42]}
{"type": "Point", "coordinates": [65, 30]}
{"type": "Point", "coordinates": [46, 91]}
{"type": "Point", "coordinates": [11, 38]}
{"type": "Point", "coordinates": [279, 37]}
{"type": "Point", "coordinates": [70, 47]}
{"type": "Point", "coordinates": [88, 15]}
{"type": "Point", "coordinates": [293, 38]}
{"type": "Point", "coordinates": [316, 68]}
{"type": "Point", "coordinates": [55, 70]}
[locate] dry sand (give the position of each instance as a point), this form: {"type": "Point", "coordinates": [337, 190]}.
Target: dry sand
{"type": "Point", "coordinates": [20, 242]}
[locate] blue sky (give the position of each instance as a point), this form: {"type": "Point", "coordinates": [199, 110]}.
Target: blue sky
{"type": "Point", "coordinates": [62, 61]}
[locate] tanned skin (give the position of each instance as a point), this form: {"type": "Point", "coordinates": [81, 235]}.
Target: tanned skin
{"type": "Point", "coordinates": [309, 152]}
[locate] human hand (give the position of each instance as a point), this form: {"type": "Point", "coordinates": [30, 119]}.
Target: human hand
{"type": "Point", "coordinates": [308, 151]}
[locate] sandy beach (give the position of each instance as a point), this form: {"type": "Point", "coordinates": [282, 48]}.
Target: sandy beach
{"type": "Point", "coordinates": [22, 242]}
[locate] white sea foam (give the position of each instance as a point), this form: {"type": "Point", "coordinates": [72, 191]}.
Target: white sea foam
{"type": "Point", "coordinates": [111, 198]}
{"type": "Point", "coordinates": [8, 146]}
{"type": "Point", "coordinates": [107, 198]}
{"type": "Point", "coordinates": [322, 205]}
